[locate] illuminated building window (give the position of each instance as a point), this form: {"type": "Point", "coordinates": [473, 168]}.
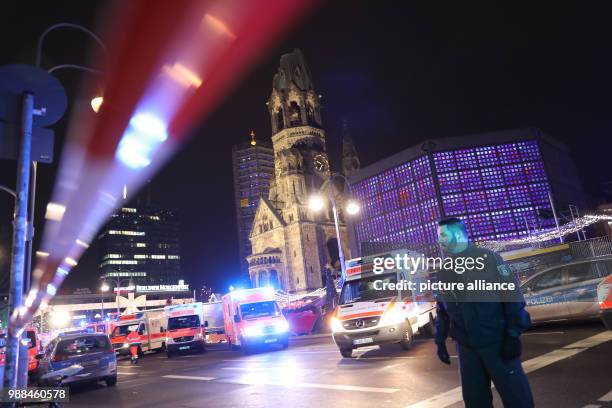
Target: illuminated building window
{"type": "Point", "coordinates": [115, 232]}
{"type": "Point", "coordinates": [174, 257]}
{"type": "Point", "coordinates": [519, 196]}
{"type": "Point", "coordinates": [449, 182]}
{"type": "Point", "coordinates": [453, 204]}
{"type": "Point", "coordinates": [154, 217]}
{"type": "Point", "coordinates": [503, 221]}
{"type": "Point", "coordinates": [403, 174]}
{"type": "Point", "coordinates": [508, 153]}
{"type": "Point", "coordinates": [497, 198]}
{"type": "Point", "coordinates": [141, 245]}
{"type": "Point", "coordinates": [475, 201]}
{"type": "Point", "coordinates": [421, 167]}
{"type": "Point", "coordinates": [390, 200]}
{"type": "Point", "coordinates": [445, 161]}
{"type": "Point", "coordinates": [158, 256]}
{"type": "Point", "coordinates": [514, 174]}
{"type": "Point", "coordinates": [141, 256]}
{"type": "Point", "coordinates": [487, 156]}
{"type": "Point", "coordinates": [529, 150]}
{"type": "Point", "coordinates": [128, 210]}
{"type": "Point", "coordinates": [492, 177]}
{"type": "Point", "coordinates": [386, 181]}
{"type": "Point", "coordinates": [466, 159]}
{"type": "Point", "coordinates": [471, 180]}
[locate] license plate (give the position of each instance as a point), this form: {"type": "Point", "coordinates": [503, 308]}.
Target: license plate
{"type": "Point", "coordinates": [363, 341]}
{"type": "Point", "coordinates": [184, 348]}
{"type": "Point", "coordinates": [270, 341]}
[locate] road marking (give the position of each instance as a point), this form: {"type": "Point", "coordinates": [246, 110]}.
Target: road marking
{"type": "Point", "coordinates": [591, 406]}
{"type": "Point", "coordinates": [314, 385]}
{"type": "Point", "coordinates": [606, 398]}
{"type": "Point", "coordinates": [536, 333]}
{"type": "Point", "coordinates": [453, 396]}
{"type": "Point", "coordinates": [125, 373]}
{"type": "Point", "coordinates": [188, 377]}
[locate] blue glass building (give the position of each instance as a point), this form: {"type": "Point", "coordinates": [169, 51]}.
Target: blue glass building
{"type": "Point", "coordinates": [498, 183]}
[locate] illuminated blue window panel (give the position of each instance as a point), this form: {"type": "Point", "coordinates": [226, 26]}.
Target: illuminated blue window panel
{"type": "Point", "coordinates": [425, 188]}
{"type": "Point", "coordinates": [430, 209]}
{"type": "Point", "coordinates": [449, 182]}
{"type": "Point", "coordinates": [415, 234]}
{"type": "Point", "coordinates": [519, 196]}
{"type": "Point", "coordinates": [475, 201]}
{"type": "Point", "coordinates": [503, 221]}
{"type": "Point", "coordinates": [529, 150]}
{"type": "Point", "coordinates": [373, 206]}
{"type": "Point", "coordinates": [421, 167]}
{"type": "Point", "coordinates": [497, 198]}
{"type": "Point", "coordinates": [378, 226]}
{"type": "Point", "coordinates": [370, 187]}
{"type": "Point", "coordinates": [430, 232]}
{"type": "Point", "coordinates": [390, 200]}
{"type": "Point", "coordinates": [407, 195]}
{"type": "Point", "coordinates": [481, 224]}
{"type": "Point", "coordinates": [514, 174]}
{"type": "Point", "coordinates": [444, 161]}
{"type": "Point", "coordinates": [471, 180]}
{"type": "Point", "coordinates": [487, 156]}
{"type": "Point", "coordinates": [492, 177]}
{"type": "Point", "coordinates": [525, 216]}
{"type": "Point", "coordinates": [396, 220]}
{"type": "Point", "coordinates": [453, 204]}
{"type": "Point", "coordinates": [386, 180]}
{"type": "Point", "coordinates": [508, 153]}
{"type": "Point", "coordinates": [403, 174]}
{"type": "Point", "coordinates": [534, 171]}
{"type": "Point", "coordinates": [539, 194]}
{"type": "Point", "coordinates": [413, 215]}
{"type": "Point", "coordinates": [506, 235]}
{"type": "Point", "coordinates": [466, 159]}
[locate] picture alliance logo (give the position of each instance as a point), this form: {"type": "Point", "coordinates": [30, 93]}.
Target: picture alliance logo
{"type": "Point", "coordinates": [413, 264]}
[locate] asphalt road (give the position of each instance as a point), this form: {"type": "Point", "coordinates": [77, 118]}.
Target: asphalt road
{"type": "Point", "coordinates": [568, 366]}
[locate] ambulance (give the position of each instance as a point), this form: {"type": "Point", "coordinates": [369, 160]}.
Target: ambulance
{"type": "Point", "coordinates": [253, 318]}
{"type": "Point", "coordinates": [369, 313]}
{"type": "Point", "coordinates": [186, 328]}
{"type": "Point", "coordinates": [34, 348]}
{"type": "Point", "coordinates": [149, 324]}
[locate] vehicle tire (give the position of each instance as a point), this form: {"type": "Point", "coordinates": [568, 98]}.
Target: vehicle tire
{"type": "Point", "coordinates": [407, 338]}
{"type": "Point", "coordinates": [346, 352]}
{"type": "Point", "coordinates": [169, 353]}
{"type": "Point", "coordinates": [428, 329]}
{"type": "Point", "coordinates": [163, 347]}
{"type": "Point", "coordinates": [111, 381]}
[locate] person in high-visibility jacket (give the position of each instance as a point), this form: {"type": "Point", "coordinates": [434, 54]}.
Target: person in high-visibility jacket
{"type": "Point", "coordinates": [604, 296]}
{"type": "Point", "coordinates": [133, 339]}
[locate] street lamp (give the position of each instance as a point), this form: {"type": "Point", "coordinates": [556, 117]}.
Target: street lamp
{"type": "Point", "coordinates": [316, 203]}
{"type": "Point", "coordinates": [104, 288]}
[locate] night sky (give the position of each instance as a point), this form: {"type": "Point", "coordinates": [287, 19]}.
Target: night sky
{"type": "Point", "coordinates": [399, 72]}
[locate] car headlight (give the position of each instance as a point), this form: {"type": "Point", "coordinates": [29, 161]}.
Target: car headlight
{"type": "Point", "coordinates": [603, 291]}
{"type": "Point", "coordinates": [252, 331]}
{"type": "Point", "coordinates": [392, 317]}
{"type": "Point", "coordinates": [169, 340]}
{"type": "Point", "coordinates": [336, 325]}
{"type": "Point", "coordinates": [282, 327]}
{"type": "Point", "coordinates": [125, 345]}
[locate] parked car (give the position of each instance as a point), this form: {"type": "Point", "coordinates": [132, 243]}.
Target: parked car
{"type": "Point", "coordinates": [92, 351]}
{"type": "Point", "coordinates": [567, 291]}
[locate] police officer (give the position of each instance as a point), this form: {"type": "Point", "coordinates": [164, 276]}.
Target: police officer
{"type": "Point", "coordinates": [485, 325]}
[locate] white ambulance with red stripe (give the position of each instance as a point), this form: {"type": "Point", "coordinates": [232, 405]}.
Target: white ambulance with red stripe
{"type": "Point", "coordinates": [370, 313]}
{"type": "Point", "coordinates": [150, 326]}
{"type": "Point", "coordinates": [186, 328]}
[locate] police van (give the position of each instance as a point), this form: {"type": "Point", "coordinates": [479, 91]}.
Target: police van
{"type": "Point", "coordinates": [567, 291]}
{"type": "Point", "coordinates": [369, 313]}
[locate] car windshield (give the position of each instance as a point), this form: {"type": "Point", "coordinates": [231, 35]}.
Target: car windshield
{"type": "Point", "coordinates": [259, 309]}
{"type": "Point", "coordinates": [123, 330]}
{"type": "Point", "coordinates": [183, 322]}
{"type": "Point", "coordinates": [82, 346]}
{"type": "Point", "coordinates": [363, 289]}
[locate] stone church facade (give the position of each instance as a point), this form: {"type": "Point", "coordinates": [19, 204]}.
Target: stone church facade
{"type": "Point", "coordinates": [292, 245]}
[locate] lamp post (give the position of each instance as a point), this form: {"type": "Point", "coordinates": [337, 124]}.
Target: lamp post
{"type": "Point", "coordinates": [317, 202]}
{"type": "Point", "coordinates": [104, 288]}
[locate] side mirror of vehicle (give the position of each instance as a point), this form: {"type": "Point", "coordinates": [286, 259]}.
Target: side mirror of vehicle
{"type": "Point", "coordinates": [236, 318]}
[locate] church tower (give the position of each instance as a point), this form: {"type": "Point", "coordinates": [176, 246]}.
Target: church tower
{"type": "Point", "coordinates": [291, 244]}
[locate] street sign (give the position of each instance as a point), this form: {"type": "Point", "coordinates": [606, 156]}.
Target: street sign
{"type": "Point", "coordinates": [15, 79]}
{"type": "Point", "coordinates": [42, 143]}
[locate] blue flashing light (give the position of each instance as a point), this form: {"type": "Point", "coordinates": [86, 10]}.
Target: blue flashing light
{"type": "Point", "coordinates": [144, 134]}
